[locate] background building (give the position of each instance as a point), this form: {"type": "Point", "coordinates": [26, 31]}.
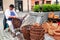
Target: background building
{"type": "Point", "coordinates": [20, 5]}
{"type": "Point", "coordinates": [23, 5]}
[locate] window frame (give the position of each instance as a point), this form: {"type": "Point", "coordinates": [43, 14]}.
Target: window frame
{"type": "Point", "coordinates": [1, 1]}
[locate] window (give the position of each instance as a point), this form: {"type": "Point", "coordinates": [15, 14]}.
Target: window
{"type": "Point", "coordinates": [48, 2]}
{"type": "Point", "coordinates": [36, 2]}
{"type": "Point", "coordinates": [19, 5]}
{"type": "Point", "coordinates": [1, 5]}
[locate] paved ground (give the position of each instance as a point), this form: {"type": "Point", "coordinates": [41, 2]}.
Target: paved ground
{"type": "Point", "coordinates": [6, 35]}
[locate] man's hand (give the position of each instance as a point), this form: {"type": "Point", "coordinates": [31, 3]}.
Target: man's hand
{"type": "Point", "coordinates": [12, 17]}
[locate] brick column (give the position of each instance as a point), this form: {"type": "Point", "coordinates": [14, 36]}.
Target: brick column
{"type": "Point", "coordinates": [25, 5]}
{"type": "Point", "coordinates": [44, 1]}
{"type": "Point", "coordinates": [32, 4]}
{"type": "Point", "coordinates": [29, 5]}
{"type": "Point", "coordinates": [51, 1]}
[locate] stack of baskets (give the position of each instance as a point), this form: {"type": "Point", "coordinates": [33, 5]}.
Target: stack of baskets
{"type": "Point", "coordinates": [37, 32]}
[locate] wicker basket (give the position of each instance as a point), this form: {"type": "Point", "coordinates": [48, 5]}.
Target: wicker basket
{"type": "Point", "coordinates": [57, 37]}
{"type": "Point", "coordinates": [26, 31]}
{"type": "Point", "coordinates": [57, 34]}
{"type": "Point", "coordinates": [37, 33]}
{"type": "Point", "coordinates": [16, 22]}
{"type": "Point", "coordinates": [51, 15]}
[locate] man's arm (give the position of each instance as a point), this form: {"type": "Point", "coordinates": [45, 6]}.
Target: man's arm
{"type": "Point", "coordinates": [7, 14]}
{"type": "Point", "coordinates": [12, 16]}
{"type": "Point", "coordinates": [15, 14]}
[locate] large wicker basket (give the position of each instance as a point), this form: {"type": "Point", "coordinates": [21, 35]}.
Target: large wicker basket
{"type": "Point", "coordinates": [37, 33]}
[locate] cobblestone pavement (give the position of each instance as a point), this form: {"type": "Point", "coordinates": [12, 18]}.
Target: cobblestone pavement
{"type": "Point", "coordinates": [4, 35]}
{"type": "Point", "coordinates": [7, 36]}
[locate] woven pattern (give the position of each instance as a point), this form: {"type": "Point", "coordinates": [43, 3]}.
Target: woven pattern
{"type": "Point", "coordinates": [26, 31]}
{"type": "Point", "coordinates": [16, 22]}
{"type": "Point", "coordinates": [37, 32]}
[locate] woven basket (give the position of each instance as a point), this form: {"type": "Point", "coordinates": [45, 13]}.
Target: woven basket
{"type": "Point", "coordinates": [26, 31]}
{"type": "Point", "coordinates": [16, 22]}
{"type": "Point", "coordinates": [56, 37]}
{"type": "Point", "coordinates": [51, 15]}
{"type": "Point", "coordinates": [37, 33]}
{"type": "Point", "coordinates": [57, 34]}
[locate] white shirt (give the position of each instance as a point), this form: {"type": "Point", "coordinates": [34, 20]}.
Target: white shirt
{"type": "Point", "coordinates": [7, 13]}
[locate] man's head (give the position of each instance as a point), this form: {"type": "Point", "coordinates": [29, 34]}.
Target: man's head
{"type": "Point", "coordinates": [11, 7]}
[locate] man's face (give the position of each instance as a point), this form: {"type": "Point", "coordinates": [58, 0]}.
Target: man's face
{"type": "Point", "coordinates": [11, 8]}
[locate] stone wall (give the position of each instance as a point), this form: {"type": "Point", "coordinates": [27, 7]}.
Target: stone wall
{"type": "Point", "coordinates": [43, 15]}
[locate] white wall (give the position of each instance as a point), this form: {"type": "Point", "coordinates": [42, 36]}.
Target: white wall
{"type": "Point", "coordinates": [29, 5]}
{"type": "Point", "coordinates": [25, 8]}
{"type": "Point", "coordinates": [6, 4]}
{"type": "Point", "coordinates": [25, 5]}
{"type": "Point", "coordinates": [53, 1]}
{"type": "Point", "coordinates": [59, 1]}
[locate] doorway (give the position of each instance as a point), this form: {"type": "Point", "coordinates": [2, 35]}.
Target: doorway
{"type": "Point", "coordinates": [19, 5]}
{"type": "Point", "coordinates": [1, 5]}
{"type": "Point", "coordinates": [48, 2]}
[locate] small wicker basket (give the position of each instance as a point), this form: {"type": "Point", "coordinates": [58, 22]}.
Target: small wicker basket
{"type": "Point", "coordinates": [26, 31]}
{"type": "Point", "coordinates": [16, 22]}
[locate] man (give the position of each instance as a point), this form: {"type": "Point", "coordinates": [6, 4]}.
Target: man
{"type": "Point", "coordinates": [10, 13]}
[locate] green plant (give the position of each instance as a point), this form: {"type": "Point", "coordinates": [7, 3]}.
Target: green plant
{"type": "Point", "coordinates": [46, 7]}
{"type": "Point", "coordinates": [49, 7]}
{"type": "Point", "coordinates": [36, 8]}
{"type": "Point", "coordinates": [58, 7]}
{"type": "Point", "coordinates": [54, 7]}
